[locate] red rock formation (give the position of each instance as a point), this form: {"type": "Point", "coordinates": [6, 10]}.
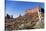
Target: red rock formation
{"type": "Point", "coordinates": [33, 11]}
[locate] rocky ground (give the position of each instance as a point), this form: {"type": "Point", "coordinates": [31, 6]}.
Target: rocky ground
{"type": "Point", "coordinates": [24, 22]}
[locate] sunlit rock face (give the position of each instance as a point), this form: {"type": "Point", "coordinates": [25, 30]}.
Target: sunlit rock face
{"type": "Point", "coordinates": [33, 11]}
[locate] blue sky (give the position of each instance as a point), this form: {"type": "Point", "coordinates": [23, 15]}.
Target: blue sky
{"type": "Point", "coordinates": [16, 8]}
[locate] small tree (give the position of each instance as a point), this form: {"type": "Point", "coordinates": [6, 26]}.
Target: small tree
{"type": "Point", "coordinates": [8, 16]}
{"type": "Point", "coordinates": [42, 10]}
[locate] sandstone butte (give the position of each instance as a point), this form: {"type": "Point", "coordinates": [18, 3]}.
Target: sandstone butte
{"type": "Point", "coordinates": [33, 11]}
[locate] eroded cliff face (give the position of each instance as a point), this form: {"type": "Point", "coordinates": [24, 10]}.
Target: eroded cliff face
{"type": "Point", "coordinates": [33, 11]}
{"type": "Point", "coordinates": [28, 21]}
